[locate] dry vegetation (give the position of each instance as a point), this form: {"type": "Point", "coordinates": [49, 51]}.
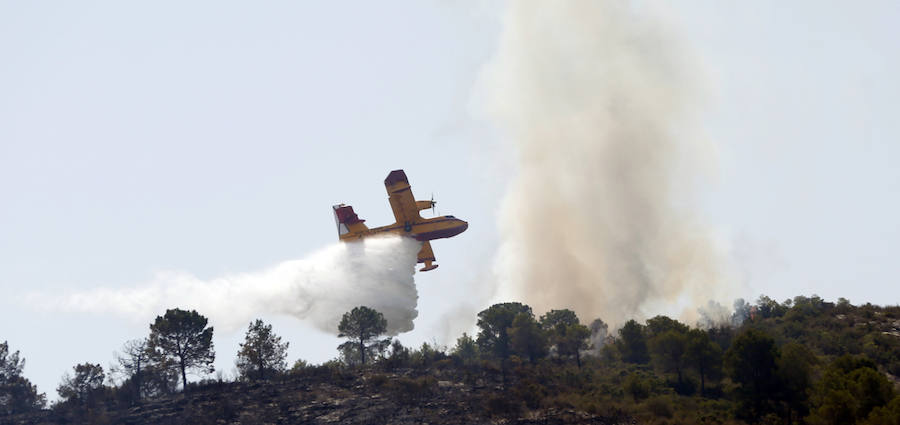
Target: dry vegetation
{"type": "Point", "coordinates": [799, 361]}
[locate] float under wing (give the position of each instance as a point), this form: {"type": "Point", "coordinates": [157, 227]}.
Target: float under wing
{"type": "Point", "coordinates": [426, 255]}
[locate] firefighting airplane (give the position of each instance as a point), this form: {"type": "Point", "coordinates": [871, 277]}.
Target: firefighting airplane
{"type": "Point", "coordinates": [409, 223]}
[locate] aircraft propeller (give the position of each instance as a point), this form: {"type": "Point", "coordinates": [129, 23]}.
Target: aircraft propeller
{"type": "Point", "coordinates": [432, 204]}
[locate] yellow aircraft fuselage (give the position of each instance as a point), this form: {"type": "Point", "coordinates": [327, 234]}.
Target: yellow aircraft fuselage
{"type": "Point", "coordinates": [424, 230]}
{"type": "Point", "coordinates": [408, 221]}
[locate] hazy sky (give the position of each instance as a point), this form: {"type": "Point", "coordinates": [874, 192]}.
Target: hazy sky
{"type": "Point", "coordinates": [213, 138]}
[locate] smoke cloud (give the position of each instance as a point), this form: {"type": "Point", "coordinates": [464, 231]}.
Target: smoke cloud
{"type": "Point", "coordinates": [714, 315]}
{"type": "Point", "coordinates": [599, 333]}
{"type": "Point", "coordinates": [595, 98]}
{"type": "Point", "coordinates": [377, 272]}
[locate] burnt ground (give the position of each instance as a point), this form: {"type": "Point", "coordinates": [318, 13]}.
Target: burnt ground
{"type": "Point", "coordinates": [338, 397]}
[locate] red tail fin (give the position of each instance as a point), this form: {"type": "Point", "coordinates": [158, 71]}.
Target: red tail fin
{"type": "Point", "coordinates": [347, 221]}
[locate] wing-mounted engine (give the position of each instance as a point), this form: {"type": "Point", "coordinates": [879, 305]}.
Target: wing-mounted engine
{"type": "Point", "coordinates": [424, 205]}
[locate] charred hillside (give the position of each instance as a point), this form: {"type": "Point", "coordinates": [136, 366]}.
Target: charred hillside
{"type": "Point", "coordinates": [804, 360]}
{"type": "Point", "coordinates": [327, 395]}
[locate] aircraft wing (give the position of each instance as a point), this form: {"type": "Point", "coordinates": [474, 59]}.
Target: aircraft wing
{"type": "Point", "coordinates": [401, 198]}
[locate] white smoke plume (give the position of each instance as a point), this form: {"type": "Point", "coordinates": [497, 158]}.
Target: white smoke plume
{"type": "Point", "coordinates": [714, 315]}
{"type": "Point", "coordinates": [377, 272]}
{"type": "Point", "coordinates": [599, 333]}
{"type": "Point", "coordinates": [596, 101]}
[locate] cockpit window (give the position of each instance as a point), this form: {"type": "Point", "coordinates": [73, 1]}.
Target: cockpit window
{"type": "Point", "coordinates": [449, 216]}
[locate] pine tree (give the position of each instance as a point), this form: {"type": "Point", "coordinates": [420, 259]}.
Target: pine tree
{"type": "Point", "coordinates": [526, 337]}
{"type": "Point", "coordinates": [362, 326]}
{"type": "Point", "coordinates": [183, 338]}
{"type": "Point", "coordinates": [17, 394]}
{"type": "Point", "coordinates": [494, 323]}
{"type": "Point", "coordinates": [262, 352]}
{"type": "Point", "coordinates": [632, 343]}
{"type": "Point", "coordinates": [566, 333]}
{"type": "Point", "coordinates": [88, 379]}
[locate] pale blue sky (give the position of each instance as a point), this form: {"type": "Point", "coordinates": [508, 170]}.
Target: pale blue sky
{"type": "Point", "coordinates": [213, 137]}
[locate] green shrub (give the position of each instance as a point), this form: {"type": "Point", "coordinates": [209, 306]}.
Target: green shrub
{"type": "Point", "coordinates": [660, 407]}
{"type": "Point", "coordinates": [377, 381]}
{"type": "Point", "coordinates": [410, 390]}
{"type": "Point", "coordinates": [886, 415]}
{"type": "Point", "coordinates": [636, 386]}
{"type": "Point", "coordinates": [529, 392]}
{"type": "Point", "coordinates": [688, 386]}
{"type": "Point", "coordinates": [501, 405]}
